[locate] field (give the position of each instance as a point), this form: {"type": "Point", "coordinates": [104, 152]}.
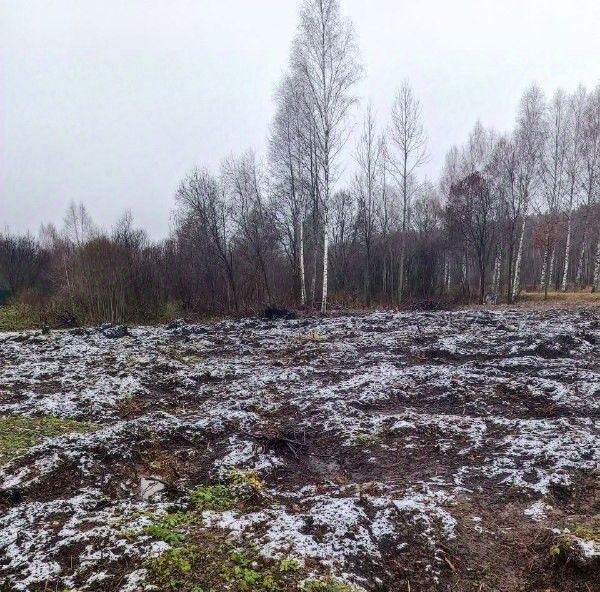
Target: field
{"type": "Point", "coordinates": [444, 450]}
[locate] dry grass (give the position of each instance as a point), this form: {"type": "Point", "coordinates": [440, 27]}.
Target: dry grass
{"type": "Point", "coordinates": [575, 297]}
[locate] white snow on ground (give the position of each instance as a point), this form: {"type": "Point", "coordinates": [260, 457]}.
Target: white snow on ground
{"type": "Point", "coordinates": [537, 510]}
{"type": "Point", "coordinates": [507, 400]}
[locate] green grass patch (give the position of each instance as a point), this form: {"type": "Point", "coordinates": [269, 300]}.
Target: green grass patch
{"type": "Point", "coordinates": [562, 544]}
{"type": "Point", "coordinates": [189, 359]}
{"type": "Point", "coordinates": [217, 498]}
{"type": "Point", "coordinates": [244, 481]}
{"type": "Point", "coordinates": [18, 317]}
{"type": "Point", "coordinates": [365, 440]}
{"type": "Point", "coordinates": [213, 564]}
{"type": "Point", "coordinates": [205, 560]}
{"type": "Point", "coordinates": [20, 433]}
{"type": "Point", "coordinates": [327, 585]}
{"type": "Point", "coordinates": [169, 528]}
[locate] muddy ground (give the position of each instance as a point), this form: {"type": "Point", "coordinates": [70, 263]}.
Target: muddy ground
{"type": "Point", "coordinates": [450, 450]}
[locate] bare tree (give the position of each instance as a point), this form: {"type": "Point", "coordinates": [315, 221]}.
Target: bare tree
{"type": "Point", "coordinates": [290, 153]}
{"type": "Point", "coordinates": [590, 179]}
{"type": "Point", "coordinates": [368, 158]}
{"type": "Point", "coordinates": [386, 215]}
{"type": "Point", "coordinates": [21, 262]}
{"type": "Point", "coordinates": [553, 174]}
{"type": "Point", "coordinates": [576, 113]}
{"type": "Point", "coordinates": [528, 143]}
{"type": "Point", "coordinates": [325, 56]}
{"type": "Point", "coordinates": [410, 141]}
{"type": "Point", "coordinates": [244, 183]}
{"type": "Point", "coordinates": [343, 229]}
{"type": "Point", "coordinates": [78, 226]}
{"type": "Point", "coordinates": [203, 205]}
{"type": "Point", "coordinates": [471, 210]}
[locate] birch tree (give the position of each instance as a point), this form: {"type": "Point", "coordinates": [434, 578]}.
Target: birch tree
{"type": "Point", "coordinates": [408, 137]}
{"type": "Point", "coordinates": [325, 55]}
{"type": "Point", "coordinates": [590, 178]}
{"type": "Point", "coordinates": [503, 171]}
{"type": "Point", "coordinates": [368, 157]}
{"type": "Point", "coordinates": [77, 224]}
{"type": "Point", "coordinates": [529, 143]}
{"type": "Point", "coordinates": [553, 175]}
{"type": "Point", "coordinates": [290, 164]}
{"type": "Point", "coordinates": [576, 111]}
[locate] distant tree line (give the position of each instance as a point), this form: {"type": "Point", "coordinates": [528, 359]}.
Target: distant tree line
{"type": "Point", "coordinates": [510, 211]}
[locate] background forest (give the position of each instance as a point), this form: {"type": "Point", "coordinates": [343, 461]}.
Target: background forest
{"type": "Point", "coordinates": [338, 213]}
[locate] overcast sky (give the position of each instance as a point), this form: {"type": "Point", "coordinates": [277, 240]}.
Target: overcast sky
{"type": "Point", "coordinates": [110, 102]}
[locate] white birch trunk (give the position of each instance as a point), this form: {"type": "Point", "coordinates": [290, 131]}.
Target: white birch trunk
{"type": "Point", "coordinates": [544, 269]}
{"type": "Point", "coordinates": [550, 277]}
{"type": "Point", "coordinates": [446, 274]}
{"type": "Point", "coordinates": [497, 270]}
{"type": "Point", "coordinates": [567, 253]}
{"type": "Point", "coordinates": [302, 269]}
{"type": "Point", "coordinates": [580, 261]}
{"type": "Point", "coordinates": [325, 262]}
{"type": "Point", "coordinates": [516, 287]}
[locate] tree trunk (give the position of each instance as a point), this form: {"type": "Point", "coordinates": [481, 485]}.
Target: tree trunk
{"type": "Point", "coordinates": [465, 277]}
{"type": "Point", "coordinates": [401, 273]}
{"type": "Point", "coordinates": [325, 262]}
{"type": "Point", "coordinates": [580, 262]}
{"type": "Point", "coordinates": [567, 253]}
{"type": "Point", "coordinates": [552, 267]}
{"type": "Point", "coordinates": [596, 278]}
{"type": "Point", "coordinates": [302, 270]}
{"type": "Point", "coordinates": [516, 285]}
{"type": "Point", "coordinates": [481, 283]}
{"type": "Point", "coordinates": [543, 279]}
{"type": "Point", "coordinates": [446, 286]}
{"type": "Point", "coordinates": [384, 277]}
{"type": "Point", "coordinates": [509, 272]}
{"type": "Point", "coordinates": [368, 274]}
{"type": "Point", "coordinates": [497, 273]}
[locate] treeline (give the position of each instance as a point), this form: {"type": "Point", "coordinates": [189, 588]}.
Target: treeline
{"type": "Point", "coordinates": [510, 211]}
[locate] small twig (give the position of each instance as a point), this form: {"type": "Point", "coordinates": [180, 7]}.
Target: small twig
{"type": "Point", "coordinates": [292, 449]}
{"type": "Point", "coordinates": [450, 564]}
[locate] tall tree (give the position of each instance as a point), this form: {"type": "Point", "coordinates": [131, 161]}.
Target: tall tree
{"type": "Point", "coordinates": [471, 211]}
{"type": "Point", "coordinates": [368, 157]}
{"type": "Point", "coordinates": [206, 214]}
{"type": "Point", "coordinates": [529, 142]}
{"type": "Point", "coordinates": [290, 151]}
{"type": "Point", "coordinates": [576, 113]}
{"type": "Point", "coordinates": [408, 136]}
{"type": "Point", "coordinates": [325, 55]}
{"type": "Point", "coordinates": [590, 181]}
{"type": "Point", "coordinates": [244, 183]}
{"type": "Point", "coordinates": [553, 173]}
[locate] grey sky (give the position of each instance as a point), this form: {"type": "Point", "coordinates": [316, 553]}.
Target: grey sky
{"type": "Point", "coordinates": [110, 102]}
